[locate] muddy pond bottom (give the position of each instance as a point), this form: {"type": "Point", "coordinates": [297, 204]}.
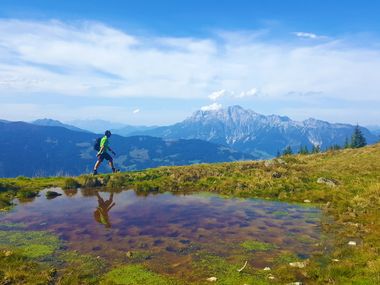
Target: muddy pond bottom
{"type": "Point", "coordinates": [170, 233]}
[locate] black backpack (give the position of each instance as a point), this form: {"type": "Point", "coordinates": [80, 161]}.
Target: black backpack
{"type": "Point", "coordinates": [97, 144]}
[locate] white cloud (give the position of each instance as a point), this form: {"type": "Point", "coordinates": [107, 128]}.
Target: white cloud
{"type": "Point", "coordinates": [91, 59]}
{"type": "Point", "coordinates": [212, 107]}
{"type": "Point", "coordinates": [214, 96]}
{"type": "Point", "coordinates": [307, 35]}
{"type": "Point", "coordinates": [217, 94]}
{"type": "Point", "coordinates": [248, 93]}
{"type": "Point", "coordinates": [135, 111]}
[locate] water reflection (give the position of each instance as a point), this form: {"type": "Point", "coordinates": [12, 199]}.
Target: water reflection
{"type": "Point", "coordinates": [101, 212]}
{"type": "Point", "coordinates": [172, 229]}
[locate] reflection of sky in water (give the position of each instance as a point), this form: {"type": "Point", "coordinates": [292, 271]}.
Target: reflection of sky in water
{"type": "Point", "coordinates": [165, 223]}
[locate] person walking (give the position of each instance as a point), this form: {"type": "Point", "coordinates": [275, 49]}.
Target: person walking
{"type": "Point", "coordinates": [103, 154]}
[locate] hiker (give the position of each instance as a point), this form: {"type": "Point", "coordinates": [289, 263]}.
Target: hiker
{"type": "Point", "coordinates": [103, 154]}
{"type": "Point", "coordinates": [101, 212]}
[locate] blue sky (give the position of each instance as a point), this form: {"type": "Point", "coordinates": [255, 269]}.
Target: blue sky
{"type": "Point", "coordinates": [155, 62]}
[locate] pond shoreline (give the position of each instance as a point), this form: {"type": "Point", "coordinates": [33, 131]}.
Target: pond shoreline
{"type": "Point", "coordinates": [352, 202]}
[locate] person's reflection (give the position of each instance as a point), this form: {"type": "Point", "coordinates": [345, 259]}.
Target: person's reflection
{"type": "Point", "coordinates": [101, 212]}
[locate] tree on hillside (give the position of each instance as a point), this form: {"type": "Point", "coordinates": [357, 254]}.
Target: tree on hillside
{"type": "Point", "coordinates": [357, 139]}
{"type": "Point", "coordinates": [316, 149]}
{"type": "Point", "coordinates": [347, 143]}
{"type": "Point", "coordinates": [334, 147]}
{"type": "Point", "coordinates": [303, 150]}
{"type": "Point", "coordinates": [287, 151]}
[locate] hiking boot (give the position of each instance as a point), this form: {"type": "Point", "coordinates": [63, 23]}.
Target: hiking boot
{"type": "Point", "coordinates": [95, 172]}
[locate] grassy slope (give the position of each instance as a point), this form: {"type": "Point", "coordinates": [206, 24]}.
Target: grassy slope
{"type": "Point", "coordinates": [353, 203]}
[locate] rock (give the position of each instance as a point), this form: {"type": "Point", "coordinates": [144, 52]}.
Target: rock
{"type": "Point", "coordinates": [295, 283]}
{"type": "Point", "coordinates": [129, 254]}
{"type": "Point", "coordinates": [269, 163]}
{"type": "Point", "coordinates": [298, 264]}
{"type": "Point", "coordinates": [52, 194]}
{"type": "Point", "coordinates": [276, 174]}
{"type": "Point", "coordinates": [267, 268]}
{"type": "Point", "coordinates": [212, 279]}
{"type": "Point", "coordinates": [327, 181]}
{"type": "Point", "coordinates": [271, 277]}
{"type": "Point", "coordinates": [352, 243]}
{"type": "Point", "coordinates": [335, 260]}
{"type": "Point", "coordinates": [306, 201]}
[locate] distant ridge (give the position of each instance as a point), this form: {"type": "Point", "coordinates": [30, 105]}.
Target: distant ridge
{"type": "Point", "coordinates": [259, 135]}
{"type": "Point", "coordinates": [33, 150]}
{"type": "Point", "coordinates": [55, 123]}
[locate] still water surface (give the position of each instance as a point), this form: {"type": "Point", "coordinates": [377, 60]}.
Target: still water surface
{"type": "Point", "coordinates": [172, 228]}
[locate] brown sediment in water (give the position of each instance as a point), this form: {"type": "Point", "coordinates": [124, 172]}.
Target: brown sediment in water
{"type": "Point", "coordinates": [171, 233]}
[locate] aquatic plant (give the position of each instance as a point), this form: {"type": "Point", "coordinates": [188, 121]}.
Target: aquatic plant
{"type": "Point", "coordinates": [135, 275]}
{"type": "Point", "coordinates": [257, 245]}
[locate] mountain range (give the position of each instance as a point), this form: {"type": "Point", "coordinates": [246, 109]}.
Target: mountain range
{"type": "Point", "coordinates": [262, 136]}
{"type": "Point", "coordinates": [55, 123]}
{"type": "Point", "coordinates": [34, 150]}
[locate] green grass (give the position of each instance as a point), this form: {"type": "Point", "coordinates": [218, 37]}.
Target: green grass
{"type": "Point", "coordinates": [350, 209]}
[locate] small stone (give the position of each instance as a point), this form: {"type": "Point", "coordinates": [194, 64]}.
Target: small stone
{"type": "Point", "coordinates": [298, 264]}
{"type": "Point", "coordinates": [335, 260]}
{"type": "Point", "coordinates": [267, 268]}
{"type": "Point", "coordinates": [129, 254]}
{"type": "Point", "coordinates": [327, 181]}
{"type": "Point", "coordinates": [269, 163]}
{"type": "Point", "coordinates": [211, 279]}
{"type": "Point", "coordinates": [8, 253]}
{"type": "Point", "coordinates": [295, 283]}
{"type": "Point", "coordinates": [271, 277]}
{"type": "Point", "coordinates": [52, 194]}
{"type": "Point", "coordinates": [98, 257]}
{"type": "Point", "coordinates": [306, 201]}
{"type": "Point", "coordinates": [352, 243]}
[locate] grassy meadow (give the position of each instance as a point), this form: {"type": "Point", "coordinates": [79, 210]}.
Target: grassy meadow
{"type": "Point", "coordinates": [345, 184]}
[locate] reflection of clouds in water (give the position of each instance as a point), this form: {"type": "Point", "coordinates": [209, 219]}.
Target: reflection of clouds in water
{"type": "Point", "coordinates": [166, 223]}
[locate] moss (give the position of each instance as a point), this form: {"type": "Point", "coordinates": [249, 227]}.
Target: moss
{"type": "Point", "coordinates": [257, 245]}
{"type": "Point", "coordinates": [31, 244]}
{"type": "Point", "coordinates": [80, 269]}
{"type": "Point", "coordinates": [135, 275]}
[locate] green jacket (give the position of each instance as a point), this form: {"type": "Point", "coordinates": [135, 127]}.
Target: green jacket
{"type": "Point", "coordinates": [104, 142]}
